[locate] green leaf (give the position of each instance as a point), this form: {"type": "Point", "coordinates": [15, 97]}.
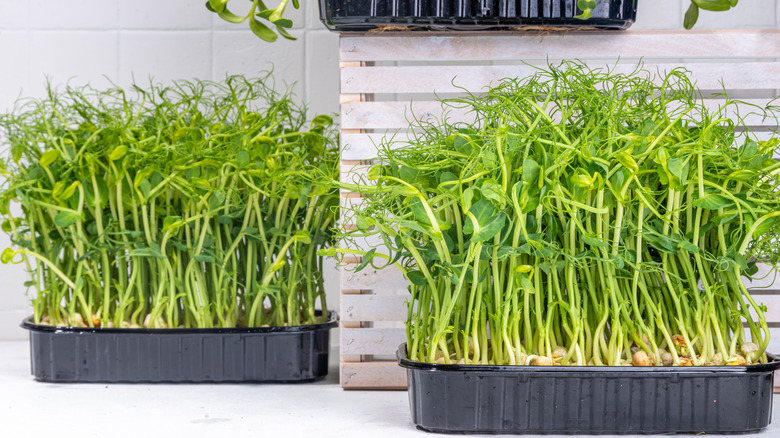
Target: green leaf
{"type": "Point", "coordinates": [216, 5]}
{"type": "Point", "coordinates": [691, 16]}
{"type": "Point", "coordinates": [366, 260]}
{"type": "Point", "coordinates": [118, 152]}
{"type": "Point", "coordinates": [408, 174]}
{"type": "Point", "coordinates": [713, 5]}
{"type": "Point", "coordinates": [531, 171]}
{"type": "Point", "coordinates": [627, 161]}
{"type": "Point", "coordinates": [170, 223]}
{"type": "Point", "coordinates": [145, 187]}
{"type": "Point", "coordinates": [417, 278]}
{"type": "Point", "coordinates": [679, 168]}
{"type": "Point", "coordinates": [322, 120]}
{"type": "Point", "coordinates": [483, 211]}
{"type": "Point", "coordinates": [493, 191]}
{"type": "Point", "coordinates": [217, 200]}
{"type": "Point", "coordinates": [468, 196]}
{"type": "Point", "coordinates": [147, 252]}
{"type": "Point", "coordinates": [764, 227]}
{"type": "Point", "coordinates": [303, 236]}
{"type": "Point", "coordinates": [490, 230]}
{"type": "Point", "coordinates": [374, 172]}
{"type": "Point", "coordinates": [261, 30]}
{"type": "Point", "coordinates": [364, 223]}
{"type": "Point", "coordinates": [7, 256]}
{"type": "Point", "coordinates": [419, 211]}
{"type": "Point", "coordinates": [713, 201]}
{"type": "Point", "coordinates": [448, 178]}
{"type": "Point", "coordinates": [49, 157]}
{"type": "Point", "coordinates": [242, 159]}
{"type": "Point", "coordinates": [204, 258]}
{"type": "Point", "coordinates": [404, 190]}
{"type": "Point", "coordinates": [593, 242]}
{"type": "Point", "coordinates": [66, 218]}
{"type": "Point", "coordinates": [284, 23]}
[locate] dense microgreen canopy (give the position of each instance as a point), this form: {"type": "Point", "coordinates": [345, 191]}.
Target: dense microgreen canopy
{"type": "Point", "coordinates": [199, 204]}
{"type": "Point", "coordinates": [584, 217]}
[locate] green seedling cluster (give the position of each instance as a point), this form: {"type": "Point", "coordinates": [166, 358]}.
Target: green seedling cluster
{"type": "Point", "coordinates": [584, 218]}
{"type": "Point", "coordinates": [199, 205]}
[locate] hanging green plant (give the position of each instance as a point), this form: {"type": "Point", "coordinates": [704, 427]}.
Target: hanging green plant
{"type": "Point", "coordinates": [257, 12]}
{"type": "Point", "coordinates": [692, 14]}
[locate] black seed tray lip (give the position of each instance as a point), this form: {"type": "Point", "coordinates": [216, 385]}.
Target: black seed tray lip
{"type": "Point", "coordinates": [366, 23]}
{"type": "Point", "coordinates": [333, 321]}
{"type": "Point", "coordinates": [404, 362]}
{"type": "Point", "coordinates": [364, 15]}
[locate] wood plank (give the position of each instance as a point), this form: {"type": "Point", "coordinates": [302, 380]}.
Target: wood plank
{"type": "Point", "coordinates": [772, 303]}
{"type": "Point", "coordinates": [765, 278]}
{"type": "Point", "coordinates": [354, 173]}
{"type": "Point", "coordinates": [373, 307]}
{"type": "Point", "coordinates": [630, 45]}
{"type": "Point", "coordinates": [454, 79]}
{"type": "Point", "coordinates": [371, 340]}
{"type": "Point", "coordinates": [364, 146]}
{"type": "Point", "coordinates": [382, 280]}
{"type": "Point", "coordinates": [398, 116]}
{"type": "Point", "coordinates": [372, 375]}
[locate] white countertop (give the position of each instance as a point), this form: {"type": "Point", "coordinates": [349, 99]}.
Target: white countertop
{"type": "Point", "coordinates": [323, 410]}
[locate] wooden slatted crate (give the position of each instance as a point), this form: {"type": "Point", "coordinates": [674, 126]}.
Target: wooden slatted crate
{"type": "Point", "coordinates": [388, 78]}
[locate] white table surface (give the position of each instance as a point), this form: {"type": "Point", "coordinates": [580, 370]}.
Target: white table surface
{"type": "Point", "coordinates": [33, 409]}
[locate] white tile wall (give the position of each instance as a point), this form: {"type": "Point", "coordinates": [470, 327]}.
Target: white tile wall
{"type": "Point", "coordinates": [244, 53]}
{"type": "Point", "coordinates": [13, 15]}
{"type": "Point", "coordinates": [163, 55]}
{"type": "Point", "coordinates": [96, 41]}
{"type": "Point", "coordinates": [72, 14]}
{"type": "Point", "coordinates": [162, 15]}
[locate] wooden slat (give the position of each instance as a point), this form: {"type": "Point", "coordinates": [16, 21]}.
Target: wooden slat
{"type": "Point", "coordinates": [354, 173]}
{"type": "Point", "coordinates": [372, 375]}
{"type": "Point", "coordinates": [454, 79]}
{"type": "Point", "coordinates": [772, 303]}
{"type": "Point", "coordinates": [691, 45]}
{"type": "Point", "coordinates": [371, 340]}
{"type": "Point", "coordinates": [386, 279]}
{"type": "Point", "coordinates": [364, 146]}
{"type": "Point", "coordinates": [399, 115]}
{"type": "Point", "coordinates": [373, 307]}
{"type": "Point", "coordinates": [764, 278]}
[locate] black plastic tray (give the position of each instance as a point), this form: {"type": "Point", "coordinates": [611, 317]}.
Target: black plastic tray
{"type": "Point", "coordinates": [363, 15]}
{"type": "Point", "coordinates": [589, 400]}
{"type": "Point", "coordinates": [226, 355]}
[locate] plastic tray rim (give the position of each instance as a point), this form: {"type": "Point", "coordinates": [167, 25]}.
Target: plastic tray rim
{"type": "Point", "coordinates": [333, 321]}
{"type": "Point", "coordinates": [404, 362]}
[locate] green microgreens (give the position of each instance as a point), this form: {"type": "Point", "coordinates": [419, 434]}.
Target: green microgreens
{"type": "Point", "coordinates": [585, 217]}
{"type": "Point", "coordinates": [201, 204]}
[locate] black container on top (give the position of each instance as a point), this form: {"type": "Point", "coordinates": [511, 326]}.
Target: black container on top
{"type": "Point", "coordinates": [589, 400]}
{"type": "Point", "coordinates": [220, 355]}
{"type": "Point", "coordinates": [362, 15]}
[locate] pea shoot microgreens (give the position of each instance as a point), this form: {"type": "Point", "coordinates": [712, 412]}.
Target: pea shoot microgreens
{"type": "Point", "coordinates": [200, 204]}
{"type": "Point", "coordinates": [584, 218]}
